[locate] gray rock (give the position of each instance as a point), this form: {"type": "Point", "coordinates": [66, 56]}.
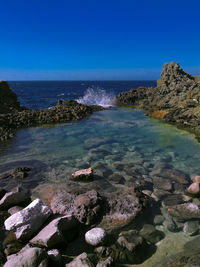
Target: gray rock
{"type": "Point", "coordinates": [17, 196]}
{"type": "Point", "coordinates": [96, 236]}
{"type": "Point", "coordinates": [130, 240]}
{"type": "Point", "coordinates": [158, 219]}
{"type": "Point", "coordinates": [191, 227]}
{"type": "Point", "coordinates": [87, 207]}
{"type": "Point", "coordinates": [150, 234]}
{"type": "Point", "coordinates": [185, 212]}
{"type": "Point", "coordinates": [26, 223]}
{"type": "Point", "coordinates": [29, 257]}
{"type": "Point", "coordinates": [172, 200]}
{"type": "Point", "coordinates": [52, 234]}
{"type": "Point", "coordinates": [105, 263]}
{"type": "Point", "coordinates": [81, 261]}
{"type": "Point", "coordinates": [162, 183]}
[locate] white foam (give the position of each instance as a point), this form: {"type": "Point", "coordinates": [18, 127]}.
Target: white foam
{"type": "Point", "coordinates": [97, 96]}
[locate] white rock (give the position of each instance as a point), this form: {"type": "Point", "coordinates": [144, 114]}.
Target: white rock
{"type": "Point", "coordinates": [95, 236]}
{"type": "Point", "coordinates": [25, 223]}
{"type": "Point", "coordinates": [28, 257]}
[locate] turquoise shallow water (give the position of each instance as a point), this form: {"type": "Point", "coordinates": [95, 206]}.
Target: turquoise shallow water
{"type": "Point", "coordinates": [105, 140]}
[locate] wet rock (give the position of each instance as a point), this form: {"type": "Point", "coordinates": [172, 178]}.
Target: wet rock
{"type": "Point", "coordinates": [2, 192]}
{"type": "Point", "coordinates": [106, 262]}
{"type": "Point", "coordinates": [52, 234]}
{"type": "Point", "coordinates": [11, 245]}
{"type": "Point", "coordinates": [172, 200]}
{"type": "Point", "coordinates": [172, 225]}
{"type": "Point", "coordinates": [87, 207]}
{"type": "Point", "coordinates": [184, 212]}
{"type": "Point", "coordinates": [130, 240]}
{"type": "Point", "coordinates": [158, 219]}
{"type": "Point", "coordinates": [3, 216]}
{"type": "Point", "coordinates": [175, 175]}
{"type": "Point", "coordinates": [159, 194]}
{"type": "Point", "coordinates": [191, 228]}
{"type": "Point", "coordinates": [82, 260]}
{"type": "Point", "coordinates": [124, 206]}
{"type": "Point", "coordinates": [55, 258]}
{"type": "Point", "coordinates": [26, 223]}
{"type": "Point", "coordinates": [28, 257]}
{"type": "Point", "coordinates": [163, 184]}
{"type": "Point", "coordinates": [21, 172]}
{"type": "Point", "coordinates": [82, 175]}
{"type": "Point", "coordinates": [196, 179]}
{"type": "Point", "coordinates": [16, 196]}
{"type": "Point", "coordinates": [117, 178]}
{"type": "Point", "coordinates": [194, 189]}
{"type": "Point", "coordinates": [95, 236]}
{"type": "Point", "coordinates": [151, 234]}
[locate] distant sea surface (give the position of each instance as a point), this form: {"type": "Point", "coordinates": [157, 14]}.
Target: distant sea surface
{"type": "Point", "coordinates": [44, 94]}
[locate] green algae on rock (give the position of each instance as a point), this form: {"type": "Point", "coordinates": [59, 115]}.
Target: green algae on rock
{"type": "Point", "coordinates": [176, 99]}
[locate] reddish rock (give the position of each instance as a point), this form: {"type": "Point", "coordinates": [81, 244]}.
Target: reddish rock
{"type": "Point", "coordinates": [82, 175]}
{"type": "Point", "coordinates": [196, 179]}
{"type": "Point", "coordinates": [194, 189]}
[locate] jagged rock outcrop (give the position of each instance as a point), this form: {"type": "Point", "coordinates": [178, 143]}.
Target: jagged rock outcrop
{"type": "Point", "coordinates": [176, 99]}
{"type": "Point", "coordinates": [8, 99]}
{"type": "Point", "coordinates": [13, 116]}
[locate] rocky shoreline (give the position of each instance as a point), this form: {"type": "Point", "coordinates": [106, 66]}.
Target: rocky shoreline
{"type": "Point", "coordinates": [64, 225]}
{"type": "Point", "coordinates": [176, 99]}
{"type": "Point", "coordinates": [13, 116]}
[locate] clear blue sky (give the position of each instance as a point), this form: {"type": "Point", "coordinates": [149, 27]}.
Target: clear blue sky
{"type": "Point", "coordinates": [97, 39]}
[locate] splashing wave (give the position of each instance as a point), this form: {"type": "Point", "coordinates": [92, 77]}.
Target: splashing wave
{"type": "Point", "coordinates": [97, 96]}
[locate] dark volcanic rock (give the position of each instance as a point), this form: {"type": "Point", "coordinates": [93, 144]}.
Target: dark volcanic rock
{"type": "Point", "coordinates": [13, 116]}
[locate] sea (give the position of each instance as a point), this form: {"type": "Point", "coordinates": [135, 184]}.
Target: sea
{"type": "Point", "coordinates": [117, 134]}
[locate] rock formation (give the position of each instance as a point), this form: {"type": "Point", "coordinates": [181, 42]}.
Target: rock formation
{"type": "Point", "coordinates": [13, 116]}
{"type": "Point", "coordinates": [176, 99]}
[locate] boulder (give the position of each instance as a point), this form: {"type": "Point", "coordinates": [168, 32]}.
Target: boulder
{"type": "Point", "coordinates": [82, 175]}
{"type": "Point", "coordinates": [14, 209]}
{"type": "Point", "coordinates": [106, 262]}
{"type": "Point", "coordinates": [16, 196]}
{"type": "Point", "coordinates": [87, 207]}
{"type": "Point", "coordinates": [55, 257]}
{"type": "Point", "coordinates": [162, 183]}
{"type": "Point", "coordinates": [95, 236]}
{"type": "Point", "coordinates": [151, 234]}
{"type": "Point", "coordinates": [185, 212]}
{"type": "Point", "coordinates": [196, 179]}
{"type": "Point", "coordinates": [158, 219]}
{"type": "Point", "coordinates": [194, 189]}
{"type": "Point", "coordinates": [81, 261]}
{"type": "Point", "coordinates": [191, 227]}
{"type": "Point", "coordinates": [130, 240]}
{"type": "Point", "coordinates": [52, 234]}
{"type": "Point", "coordinates": [29, 257]}
{"type": "Point", "coordinates": [27, 222]}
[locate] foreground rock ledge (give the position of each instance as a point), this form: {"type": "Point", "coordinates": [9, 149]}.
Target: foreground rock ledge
{"type": "Point", "coordinates": [176, 99]}
{"type": "Point", "coordinates": [13, 116]}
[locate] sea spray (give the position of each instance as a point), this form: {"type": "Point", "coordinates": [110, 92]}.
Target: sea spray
{"type": "Point", "coordinates": [97, 96]}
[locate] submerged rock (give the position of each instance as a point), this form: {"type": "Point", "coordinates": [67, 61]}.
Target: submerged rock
{"type": "Point", "coordinates": [194, 189]}
{"type": "Point", "coordinates": [82, 260]}
{"type": "Point", "coordinates": [16, 196]}
{"type": "Point", "coordinates": [82, 175]}
{"type": "Point", "coordinates": [185, 211]}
